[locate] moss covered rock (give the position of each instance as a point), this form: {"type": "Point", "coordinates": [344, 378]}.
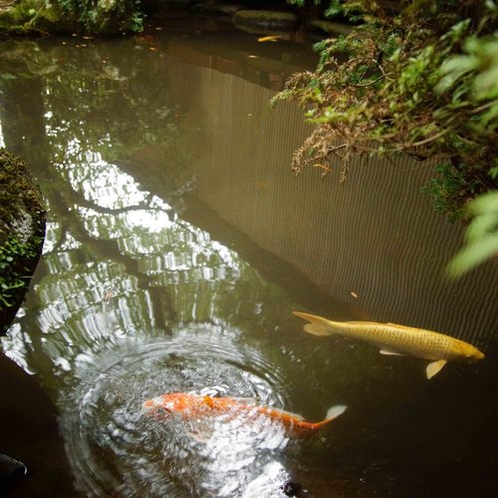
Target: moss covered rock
{"type": "Point", "coordinates": [22, 229]}
{"type": "Point", "coordinates": [104, 17]}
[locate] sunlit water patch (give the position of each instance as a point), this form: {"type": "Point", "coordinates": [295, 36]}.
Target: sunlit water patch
{"type": "Point", "coordinates": [115, 446]}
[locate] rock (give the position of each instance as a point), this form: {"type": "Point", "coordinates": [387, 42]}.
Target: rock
{"type": "Point", "coordinates": [218, 8]}
{"type": "Point", "coordinates": [22, 229]}
{"type": "Point", "coordinates": [11, 471]}
{"type": "Point", "coordinates": [29, 433]}
{"type": "Point", "coordinates": [266, 20]}
{"type": "Point", "coordinates": [331, 28]}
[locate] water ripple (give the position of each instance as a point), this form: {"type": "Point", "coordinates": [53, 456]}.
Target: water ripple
{"type": "Point", "coordinates": [115, 448]}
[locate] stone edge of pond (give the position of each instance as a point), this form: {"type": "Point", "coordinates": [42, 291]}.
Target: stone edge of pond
{"type": "Point", "coordinates": [22, 232]}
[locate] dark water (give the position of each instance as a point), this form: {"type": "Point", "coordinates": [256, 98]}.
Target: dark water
{"type": "Point", "coordinates": [178, 245]}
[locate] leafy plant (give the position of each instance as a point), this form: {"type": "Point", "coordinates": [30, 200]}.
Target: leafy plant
{"type": "Point", "coordinates": [15, 273]}
{"type": "Point", "coordinates": [95, 15]}
{"type": "Point", "coordinates": [481, 235]}
{"type": "Point", "coordinates": [422, 80]}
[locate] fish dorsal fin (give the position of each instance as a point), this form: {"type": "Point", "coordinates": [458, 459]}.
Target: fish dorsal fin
{"type": "Point", "coordinates": [360, 322]}
{"type": "Point", "coordinates": [403, 327]}
{"type": "Point", "coordinates": [434, 367]}
{"type": "Point", "coordinates": [316, 329]}
{"type": "Point", "coordinates": [391, 353]}
{"type": "Point", "coordinates": [377, 324]}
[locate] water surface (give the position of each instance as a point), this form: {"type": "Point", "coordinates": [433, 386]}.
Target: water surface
{"type": "Point", "coordinates": [178, 245]}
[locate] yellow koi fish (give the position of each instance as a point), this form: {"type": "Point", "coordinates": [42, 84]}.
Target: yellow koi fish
{"type": "Point", "coordinates": [188, 406]}
{"type": "Point", "coordinates": [399, 339]}
{"type": "Point", "coordinates": [270, 38]}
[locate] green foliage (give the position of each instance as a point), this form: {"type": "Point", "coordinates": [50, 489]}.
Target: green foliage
{"type": "Point", "coordinates": [333, 8]}
{"type": "Point", "coordinates": [19, 249]}
{"type": "Point", "coordinates": [481, 235]}
{"type": "Point", "coordinates": [15, 272]}
{"type": "Point", "coordinates": [422, 80]}
{"type": "Point", "coordinates": [445, 188]}
{"type": "Point", "coordinates": [96, 16]}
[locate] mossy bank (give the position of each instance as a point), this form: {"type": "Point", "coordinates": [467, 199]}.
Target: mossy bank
{"type": "Point", "coordinates": [22, 230]}
{"type": "Point", "coordinates": [28, 17]}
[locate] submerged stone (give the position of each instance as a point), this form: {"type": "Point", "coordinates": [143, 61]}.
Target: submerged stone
{"type": "Point", "coordinates": [266, 19]}
{"type": "Point", "coordinates": [331, 28]}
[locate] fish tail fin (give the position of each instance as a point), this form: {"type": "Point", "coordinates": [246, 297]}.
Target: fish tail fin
{"type": "Point", "coordinates": [332, 413]}
{"type": "Point", "coordinates": [318, 325]}
{"type": "Point", "coordinates": [316, 329]}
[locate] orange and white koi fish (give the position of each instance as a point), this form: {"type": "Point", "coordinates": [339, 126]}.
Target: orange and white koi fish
{"type": "Point", "coordinates": [196, 406]}
{"type": "Point", "coordinates": [398, 339]}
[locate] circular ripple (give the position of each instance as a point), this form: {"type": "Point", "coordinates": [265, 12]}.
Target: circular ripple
{"type": "Point", "coordinates": [117, 449]}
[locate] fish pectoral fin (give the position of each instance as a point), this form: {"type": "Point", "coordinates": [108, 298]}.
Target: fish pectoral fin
{"type": "Point", "coordinates": [434, 367]}
{"type": "Point", "coordinates": [391, 353]}
{"type": "Point", "coordinates": [200, 430]}
{"type": "Point", "coordinates": [246, 400]}
{"type": "Point", "coordinates": [316, 329]}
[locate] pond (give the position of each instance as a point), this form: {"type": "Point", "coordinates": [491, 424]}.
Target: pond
{"type": "Point", "coordinates": [178, 245]}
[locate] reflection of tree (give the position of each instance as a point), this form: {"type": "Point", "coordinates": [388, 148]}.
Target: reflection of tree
{"type": "Point", "coordinates": [98, 97]}
{"type": "Point", "coordinates": [94, 108]}
{"type": "Point", "coordinates": [89, 94]}
{"type": "Point", "coordinates": [157, 278]}
{"type": "Point", "coordinates": [21, 111]}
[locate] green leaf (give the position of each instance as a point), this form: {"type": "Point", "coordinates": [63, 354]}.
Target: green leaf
{"type": "Point", "coordinates": [473, 255]}
{"type": "Point", "coordinates": [486, 83]}
{"type": "Point", "coordinates": [481, 235]}
{"type": "Point", "coordinates": [490, 116]}
{"type": "Point", "coordinates": [453, 69]}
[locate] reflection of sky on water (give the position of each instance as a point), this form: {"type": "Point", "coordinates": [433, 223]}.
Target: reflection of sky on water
{"type": "Point", "coordinates": [104, 185]}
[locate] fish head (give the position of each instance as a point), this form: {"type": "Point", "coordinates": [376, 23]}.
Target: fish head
{"type": "Point", "coordinates": [469, 353]}
{"type": "Point", "coordinates": [474, 355]}
{"type": "Point", "coordinates": [168, 405]}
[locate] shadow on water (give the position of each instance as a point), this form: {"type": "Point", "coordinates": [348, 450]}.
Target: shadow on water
{"type": "Point", "coordinates": [156, 277]}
